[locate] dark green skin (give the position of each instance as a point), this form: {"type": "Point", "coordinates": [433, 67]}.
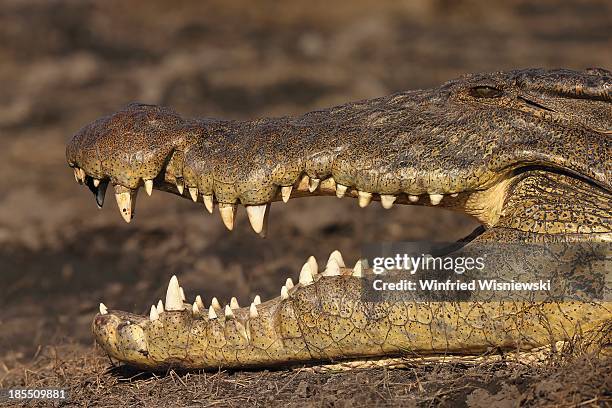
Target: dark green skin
{"type": "Point", "coordinates": [526, 152]}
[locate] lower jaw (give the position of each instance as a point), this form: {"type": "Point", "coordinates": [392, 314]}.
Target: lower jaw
{"type": "Point", "coordinates": [325, 320]}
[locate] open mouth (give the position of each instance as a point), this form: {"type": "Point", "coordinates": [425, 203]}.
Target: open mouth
{"type": "Point", "coordinates": [445, 148]}
{"type": "Point", "coordinates": [267, 332]}
{"type": "Point", "coordinates": [258, 320]}
{"type": "Point", "coordinates": [190, 333]}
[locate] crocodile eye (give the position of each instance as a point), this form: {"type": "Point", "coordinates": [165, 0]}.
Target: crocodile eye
{"type": "Point", "coordinates": [485, 92]}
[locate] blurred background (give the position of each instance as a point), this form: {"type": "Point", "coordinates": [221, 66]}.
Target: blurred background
{"type": "Point", "coordinates": [66, 63]}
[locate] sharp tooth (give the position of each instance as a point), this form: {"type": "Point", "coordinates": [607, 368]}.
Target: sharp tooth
{"type": "Point", "coordinates": [126, 200]}
{"type": "Point", "coordinates": [148, 187]}
{"type": "Point", "coordinates": [364, 198]}
{"type": "Point", "coordinates": [182, 293]}
{"type": "Point", "coordinates": [387, 200]}
{"type": "Point", "coordinates": [194, 308]}
{"type": "Point", "coordinates": [286, 192]}
{"type": "Point", "coordinates": [173, 295]}
{"type": "Point", "coordinates": [77, 175]}
{"type": "Point", "coordinates": [180, 185]}
{"type": "Point", "coordinates": [199, 302]}
{"type": "Point", "coordinates": [253, 311]}
{"type": "Point", "coordinates": [340, 190]}
{"type": "Point", "coordinates": [314, 267]}
{"type": "Point", "coordinates": [264, 230]}
{"type": "Point", "coordinates": [305, 275]}
{"type": "Point", "coordinates": [337, 256]}
{"type": "Point", "coordinates": [101, 193]}
{"type": "Point", "coordinates": [160, 307]}
{"type": "Point", "coordinates": [284, 293]}
{"type": "Point", "coordinates": [96, 182]}
{"type": "Point", "coordinates": [193, 192]}
{"type": "Point", "coordinates": [454, 195]}
{"type": "Point", "coordinates": [153, 315]}
{"type": "Point", "coordinates": [215, 303]}
{"type": "Point", "coordinates": [211, 313]}
{"type": "Point", "coordinates": [257, 300]}
{"type": "Point", "coordinates": [228, 312]}
{"type": "Point", "coordinates": [256, 215]}
{"type": "Point", "coordinates": [413, 198]}
{"type": "Point", "coordinates": [234, 303]}
{"type": "Point", "coordinates": [228, 212]}
{"type": "Point", "coordinates": [332, 269]}
{"type": "Point", "coordinates": [435, 198]}
{"type": "Point", "coordinates": [313, 183]}
{"type": "Point", "coordinates": [103, 309]}
{"type": "Point", "coordinates": [358, 269]}
{"type": "Point", "coordinates": [209, 202]}
{"type": "Point", "coordinates": [289, 283]}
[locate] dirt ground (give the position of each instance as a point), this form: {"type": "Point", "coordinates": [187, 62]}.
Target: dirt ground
{"type": "Point", "coordinates": [65, 63]}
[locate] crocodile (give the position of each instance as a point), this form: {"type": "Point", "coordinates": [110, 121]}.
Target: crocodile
{"type": "Point", "coordinates": [525, 152]}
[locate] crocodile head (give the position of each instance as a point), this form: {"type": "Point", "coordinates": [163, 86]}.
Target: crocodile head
{"type": "Point", "coordinates": [527, 153]}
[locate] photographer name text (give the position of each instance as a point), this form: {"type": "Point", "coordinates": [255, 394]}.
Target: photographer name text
{"type": "Point", "coordinates": [448, 285]}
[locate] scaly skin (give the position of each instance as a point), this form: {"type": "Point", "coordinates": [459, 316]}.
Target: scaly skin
{"type": "Point", "coordinates": [527, 153]}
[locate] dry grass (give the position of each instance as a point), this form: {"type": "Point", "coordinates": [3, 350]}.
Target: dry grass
{"type": "Point", "coordinates": [573, 378]}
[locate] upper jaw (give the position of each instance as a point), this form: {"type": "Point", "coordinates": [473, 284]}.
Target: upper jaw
{"type": "Point", "coordinates": [420, 146]}
{"type": "Point", "coordinates": [256, 163]}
